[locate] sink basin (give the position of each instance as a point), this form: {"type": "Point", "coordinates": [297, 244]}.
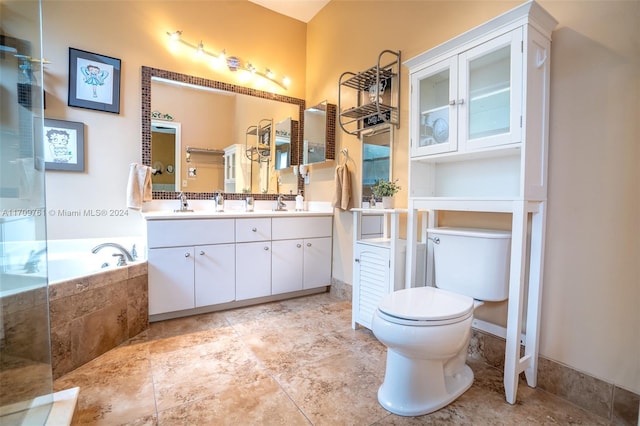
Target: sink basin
{"type": "Point", "coordinates": [183, 211]}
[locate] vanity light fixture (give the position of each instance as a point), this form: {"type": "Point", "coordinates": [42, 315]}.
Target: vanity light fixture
{"type": "Point", "coordinates": [233, 62]}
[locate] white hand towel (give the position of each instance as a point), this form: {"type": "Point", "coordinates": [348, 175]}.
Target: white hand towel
{"type": "Point", "coordinates": [139, 186]}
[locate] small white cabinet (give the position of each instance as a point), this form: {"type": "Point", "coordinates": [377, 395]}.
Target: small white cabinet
{"type": "Point", "coordinates": [379, 263]}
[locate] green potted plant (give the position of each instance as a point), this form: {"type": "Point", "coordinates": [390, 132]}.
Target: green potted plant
{"type": "Point", "coordinates": [385, 189]}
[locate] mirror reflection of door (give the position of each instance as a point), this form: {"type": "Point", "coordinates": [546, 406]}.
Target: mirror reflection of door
{"type": "Point", "coordinates": [165, 148]}
{"type": "Point", "coordinates": [376, 158]}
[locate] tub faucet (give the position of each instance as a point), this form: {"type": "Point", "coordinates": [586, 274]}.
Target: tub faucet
{"type": "Point", "coordinates": [123, 252]}
{"type": "Point", "coordinates": [31, 265]}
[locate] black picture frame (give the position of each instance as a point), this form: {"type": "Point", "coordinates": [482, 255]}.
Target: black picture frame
{"type": "Point", "coordinates": [63, 145]}
{"type": "Point", "coordinates": [94, 81]}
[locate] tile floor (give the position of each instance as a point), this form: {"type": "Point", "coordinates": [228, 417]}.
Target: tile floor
{"type": "Point", "coordinates": [294, 362]}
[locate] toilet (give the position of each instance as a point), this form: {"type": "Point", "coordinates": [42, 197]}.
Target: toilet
{"type": "Point", "coordinates": [427, 329]}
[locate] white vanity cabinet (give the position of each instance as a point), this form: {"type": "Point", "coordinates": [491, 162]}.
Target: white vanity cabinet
{"type": "Point", "coordinates": [301, 253]}
{"type": "Point", "coordinates": [191, 264]}
{"type": "Point", "coordinates": [224, 260]}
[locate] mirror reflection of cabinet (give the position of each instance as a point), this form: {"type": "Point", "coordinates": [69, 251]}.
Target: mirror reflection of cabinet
{"type": "Point", "coordinates": [319, 134]}
{"type": "Point", "coordinates": [165, 148]}
{"type": "Point", "coordinates": [237, 174]}
{"type": "Point", "coordinates": [286, 131]}
{"type": "Point", "coordinates": [377, 156]}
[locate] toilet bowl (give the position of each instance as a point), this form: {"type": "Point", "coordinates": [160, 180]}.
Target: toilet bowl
{"type": "Point", "coordinates": [427, 330]}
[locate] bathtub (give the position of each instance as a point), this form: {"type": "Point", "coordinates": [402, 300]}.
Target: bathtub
{"type": "Point", "coordinates": [67, 260]}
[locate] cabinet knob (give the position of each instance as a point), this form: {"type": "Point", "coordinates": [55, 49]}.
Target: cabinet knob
{"type": "Point", "coordinates": [357, 260]}
{"type": "Point", "coordinates": [254, 229]}
{"type": "Point", "coordinates": [187, 254]}
{"type": "Point", "coordinates": [266, 248]}
{"type": "Point", "coordinates": [201, 252]}
{"type": "Point", "coordinates": [452, 102]}
{"type": "Point", "coordinates": [298, 245]}
{"type": "Point", "coordinates": [308, 244]}
{"type": "Point", "coordinates": [460, 101]}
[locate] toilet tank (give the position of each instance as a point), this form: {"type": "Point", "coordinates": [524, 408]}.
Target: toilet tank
{"type": "Point", "coordinates": [473, 262]}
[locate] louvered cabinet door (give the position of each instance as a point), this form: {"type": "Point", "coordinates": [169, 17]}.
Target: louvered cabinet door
{"type": "Point", "coordinates": [372, 281]}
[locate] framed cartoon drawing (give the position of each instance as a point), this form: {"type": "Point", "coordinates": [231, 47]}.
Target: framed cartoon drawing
{"type": "Point", "coordinates": [94, 81]}
{"type": "Point", "coordinates": [63, 145]}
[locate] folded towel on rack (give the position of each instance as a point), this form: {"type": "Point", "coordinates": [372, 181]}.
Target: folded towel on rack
{"type": "Point", "coordinates": [139, 187]}
{"type": "Point", "coordinates": [342, 197]}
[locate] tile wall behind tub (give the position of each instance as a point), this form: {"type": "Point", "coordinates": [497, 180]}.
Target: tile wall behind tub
{"type": "Point", "coordinates": [94, 314]}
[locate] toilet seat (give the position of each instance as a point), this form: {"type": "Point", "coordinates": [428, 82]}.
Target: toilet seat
{"type": "Point", "coordinates": [425, 306]}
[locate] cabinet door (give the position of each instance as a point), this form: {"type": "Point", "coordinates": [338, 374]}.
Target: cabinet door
{"type": "Point", "coordinates": [317, 262]}
{"type": "Point", "coordinates": [371, 281]}
{"type": "Point", "coordinates": [170, 279]}
{"type": "Point", "coordinates": [491, 86]}
{"type": "Point", "coordinates": [215, 274]}
{"type": "Point", "coordinates": [286, 265]}
{"type": "Point", "coordinates": [253, 270]}
{"type": "Point", "coordinates": [434, 97]}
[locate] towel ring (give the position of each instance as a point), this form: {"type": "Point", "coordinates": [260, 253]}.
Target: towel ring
{"type": "Point", "coordinates": [345, 152]}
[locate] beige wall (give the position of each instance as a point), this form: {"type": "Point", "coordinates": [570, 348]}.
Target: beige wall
{"type": "Point", "coordinates": [590, 314]}
{"type": "Point", "coordinates": [135, 32]}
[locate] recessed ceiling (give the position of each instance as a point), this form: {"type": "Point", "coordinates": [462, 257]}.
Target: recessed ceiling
{"type": "Point", "coordinates": [302, 10]}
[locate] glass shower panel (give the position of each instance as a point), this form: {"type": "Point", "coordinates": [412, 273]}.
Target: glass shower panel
{"type": "Point", "coordinates": [25, 360]}
{"type": "Point", "coordinates": [489, 94]}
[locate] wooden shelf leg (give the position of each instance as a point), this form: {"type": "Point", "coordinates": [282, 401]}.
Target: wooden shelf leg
{"type": "Point", "coordinates": [516, 290]}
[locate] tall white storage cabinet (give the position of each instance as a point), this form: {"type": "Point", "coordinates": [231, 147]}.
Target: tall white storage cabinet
{"type": "Point", "coordinates": [479, 142]}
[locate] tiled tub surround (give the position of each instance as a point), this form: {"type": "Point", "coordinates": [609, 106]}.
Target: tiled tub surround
{"type": "Point", "coordinates": [606, 400]}
{"type": "Point", "coordinates": [93, 314]}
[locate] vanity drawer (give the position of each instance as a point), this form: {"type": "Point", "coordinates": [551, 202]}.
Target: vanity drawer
{"type": "Point", "coordinates": [189, 232]}
{"type": "Point", "coordinates": [253, 229]}
{"type": "Point", "coordinates": [287, 228]}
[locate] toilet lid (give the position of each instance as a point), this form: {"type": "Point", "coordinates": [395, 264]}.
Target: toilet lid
{"type": "Point", "coordinates": [426, 304]}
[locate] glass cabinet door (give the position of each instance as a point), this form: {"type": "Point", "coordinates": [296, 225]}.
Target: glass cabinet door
{"type": "Point", "coordinates": [491, 82]}
{"type": "Point", "coordinates": [435, 129]}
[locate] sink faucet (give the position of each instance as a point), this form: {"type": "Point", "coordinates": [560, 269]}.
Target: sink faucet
{"type": "Point", "coordinates": [184, 203]}
{"type": "Point", "coordinates": [280, 204]}
{"type": "Point", "coordinates": [123, 252]}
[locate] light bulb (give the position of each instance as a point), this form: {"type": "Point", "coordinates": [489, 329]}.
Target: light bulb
{"type": "Point", "coordinates": [286, 81]}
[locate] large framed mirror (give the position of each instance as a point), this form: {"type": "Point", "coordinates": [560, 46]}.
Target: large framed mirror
{"type": "Point", "coordinates": [377, 157]}
{"type": "Point", "coordinates": [214, 118]}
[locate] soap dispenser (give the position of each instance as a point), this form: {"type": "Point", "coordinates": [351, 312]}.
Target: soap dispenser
{"type": "Point", "coordinates": [299, 202]}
